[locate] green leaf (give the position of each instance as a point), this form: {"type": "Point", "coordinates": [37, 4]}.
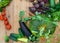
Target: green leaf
{"type": "Point", "coordinates": [56, 16]}
{"type": "Point", "coordinates": [48, 41]}
{"type": "Point", "coordinates": [0, 9]}
{"type": "Point", "coordinates": [21, 13]}
{"type": "Point", "coordinates": [20, 33]}
{"type": "Point", "coordinates": [26, 19]}
{"type": "Point", "coordinates": [33, 17]}
{"type": "Point", "coordinates": [32, 38]}
{"type": "Point", "coordinates": [41, 31]}
{"type": "Point", "coordinates": [36, 13]}
{"type": "Point", "coordinates": [4, 3]}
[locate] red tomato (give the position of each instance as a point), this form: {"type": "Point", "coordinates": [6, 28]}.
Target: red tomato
{"type": "Point", "coordinates": [8, 26]}
{"type": "Point", "coordinates": [3, 13]}
{"type": "Point", "coordinates": [1, 17]}
{"type": "Point", "coordinates": [5, 19]}
{"type": "Point", "coordinates": [4, 9]}
{"type": "Point", "coordinates": [6, 22]}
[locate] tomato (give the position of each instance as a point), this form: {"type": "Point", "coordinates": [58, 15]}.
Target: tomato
{"type": "Point", "coordinates": [1, 17]}
{"type": "Point", "coordinates": [3, 13]}
{"type": "Point", "coordinates": [4, 10]}
{"type": "Point", "coordinates": [6, 22]}
{"type": "Point", "coordinates": [8, 26]}
{"type": "Point", "coordinates": [5, 19]}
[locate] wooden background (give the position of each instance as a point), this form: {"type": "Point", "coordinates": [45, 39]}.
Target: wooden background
{"type": "Point", "coordinates": [13, 16]}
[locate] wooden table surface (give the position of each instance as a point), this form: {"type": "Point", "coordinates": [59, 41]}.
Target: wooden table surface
{"type": "Point", "coordinates": [13, 16]}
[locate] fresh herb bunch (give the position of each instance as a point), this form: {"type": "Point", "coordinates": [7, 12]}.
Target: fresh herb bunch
{"type": "Point", "coordinates": [4, 3]}
{"type": "Point", "coordinates": [46, 19]}
{"type": "Point", "coordinates": [56, 16]}
{"type": "Point", "coordinates": [42, 21]}
{"type": "Point", "coordinates": [42, 26]}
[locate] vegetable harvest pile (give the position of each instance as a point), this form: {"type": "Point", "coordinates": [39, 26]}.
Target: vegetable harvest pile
{"type": "Point", "coordinates": [43, 22]}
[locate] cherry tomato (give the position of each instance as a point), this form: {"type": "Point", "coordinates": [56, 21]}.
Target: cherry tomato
{"type": "Point", "coordinates": [1, 17]}
{"type": "Point", "coordinates": [4, 10]}
{"type": "Point", "coordinates": [8, 26]}
{"type": "Point", "coordinates": [5, 19]}
{"type": "Point", "coordinates": [3, 13]}
{"type": "Point", "coordinates": [6, 22]}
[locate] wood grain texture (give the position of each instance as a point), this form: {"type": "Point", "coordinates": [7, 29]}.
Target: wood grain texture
{"type": "Point", "coordinates": [13, 16]}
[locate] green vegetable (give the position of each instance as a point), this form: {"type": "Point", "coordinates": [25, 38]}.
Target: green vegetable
{"type": "Point", "coordinates": [23, 40]}
{"type": "Point", "coordinates": [20, 33]}
{"type": "Point", "coordinates": [6, 38]}
{"type": "Point", "coordinates": [21, 14]}
{"type": "Point", "coordinates": [42, 22]}
{"type": "Point", "coordinates": [0, 9]}
{"type": "Point", "coordinates": [4, 3]}
{"type": "Point", "coordinates": [52, 3]}
{"type": "Point", "coordinates": [56, 16]}
{"type": "Point", "coordinates": [26, 19]}
{"type": "Point", "coordinates": [14, 36]}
